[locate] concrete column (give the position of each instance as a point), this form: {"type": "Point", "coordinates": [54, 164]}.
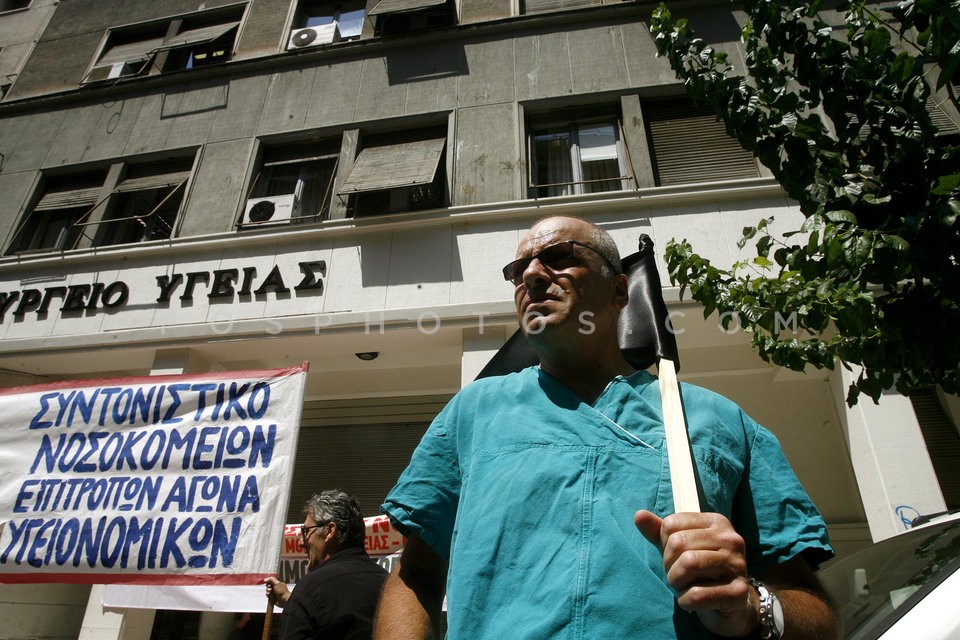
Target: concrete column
{"type": "Point", "coordinates": [100, 623]}
{"type": "Point", "coordinates": [479, 345]}
{"type": "Point", "coordinates": [890, 459]}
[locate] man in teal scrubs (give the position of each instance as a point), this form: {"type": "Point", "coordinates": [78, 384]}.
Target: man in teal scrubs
{"type": "Point", "coordinates": [521, 502]}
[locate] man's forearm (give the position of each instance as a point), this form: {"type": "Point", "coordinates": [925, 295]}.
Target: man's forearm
{"type": "Point", "coordinates": [807, 616]}
{"type": "Point", "coordinates": [412, 597]}
{"type": "Point", "coordinates": [402, 616]}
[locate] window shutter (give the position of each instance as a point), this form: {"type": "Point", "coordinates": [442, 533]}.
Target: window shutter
{"type": "Point", "coordinates": [403, 6]}
{"type": "Point", "coordinates": [85, 197]}
{"type": "Point", "coordinates": [943, 443]}
{"type": "Point", "coordinates": [134, 51]}
{"type": "Point", "coordinates": [530, 6]}
{"type": "Point", "coordinates": [941, 117]}
{"type": "Point", "coordinates": [158, 181]}
{"type": "Point", "coordinates": [200, 35]}
{"type": "Point", "coordinates": [393, 166]}
{"type": "Point", "coordinates": [690, 145]}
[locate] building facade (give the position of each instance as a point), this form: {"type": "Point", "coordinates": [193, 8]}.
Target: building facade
{"type": "Point", "coordinates": [225, 185]}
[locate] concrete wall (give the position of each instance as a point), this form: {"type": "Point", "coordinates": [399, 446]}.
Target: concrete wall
{"type": "Point", "coordinates": [47, 611]}
{"type": "Point", "coordinates": [19, 29]}
{"type": "Point", "coordinates": [76, 30]}
{"type": "Point", "coordinates": [481, 79]}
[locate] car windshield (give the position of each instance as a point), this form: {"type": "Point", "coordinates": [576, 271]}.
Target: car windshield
{"type": "Point", "coordinates": [874, 587]}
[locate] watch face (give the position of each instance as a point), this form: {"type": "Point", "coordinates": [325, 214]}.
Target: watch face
{"type": "Point", "coordinates": [777, 616]}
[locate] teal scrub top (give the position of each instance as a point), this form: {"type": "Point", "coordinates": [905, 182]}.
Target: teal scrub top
{"type": "Point", "coordinates": [529, 494]}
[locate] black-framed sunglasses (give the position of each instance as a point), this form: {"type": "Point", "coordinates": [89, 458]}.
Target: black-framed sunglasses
{"type": "Point", "coordinates": [549, 256]}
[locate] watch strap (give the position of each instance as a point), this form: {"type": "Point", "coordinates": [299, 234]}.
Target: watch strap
{"type": "Point", "coordinates": [771, 621]}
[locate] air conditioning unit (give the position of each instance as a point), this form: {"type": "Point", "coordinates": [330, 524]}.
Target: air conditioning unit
{"type": "Point", "coordinates": [313, 36]}
{"type": "Point", "coordinates": [271, 210]}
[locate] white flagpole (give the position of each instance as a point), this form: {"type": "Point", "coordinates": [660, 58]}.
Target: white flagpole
{"type": "Point", "coordinates": [682, 476]}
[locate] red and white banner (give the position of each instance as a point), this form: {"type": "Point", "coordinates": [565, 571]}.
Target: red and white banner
{"type": "Point", "coordinates": [154, 480]}
{"type": "Point", "coordinates": [383, 543]}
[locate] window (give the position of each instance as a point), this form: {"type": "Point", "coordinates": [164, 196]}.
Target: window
{"type": "Point", "coordinates": [131, 203]}
{"type": "Point", "coordinates": [689, 144]}
{"type": "Point", "coordinates": [145, 203]}
{"type": "Point", "coordinates": [397, 172]}
{"type": "Point", "coordinates": [13, 5]}
{"type": "Point", "coordinates": [186, 42]}
{"type": "Point", "coordinates": [199, 41]}
{"type": "Point", "coordinates": [294, 184]}
{"type": "Point", "coordinates": [574, 157]}
{"type": "Point", "coordinates": [52, 225]}
{"type": "Point", "coordinates": [394, 17]}
{"type": "Point", "coordinates": [325, 22]}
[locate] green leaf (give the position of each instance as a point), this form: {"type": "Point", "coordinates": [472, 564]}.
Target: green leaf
{"type": "Point", "coordinates": [946, 184]}
{"type": "Point", "coordinates": [841, 215]}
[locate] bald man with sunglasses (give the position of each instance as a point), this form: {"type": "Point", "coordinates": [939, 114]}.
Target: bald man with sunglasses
{"type": "Point", "coordinates": [524, 499]}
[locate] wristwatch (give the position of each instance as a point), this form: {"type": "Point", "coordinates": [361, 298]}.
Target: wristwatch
{"type": "Point", "coordinates": [771, 612]}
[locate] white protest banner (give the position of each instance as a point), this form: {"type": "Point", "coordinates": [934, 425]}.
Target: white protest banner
{"type": "Point", "coordinates": [154, 480]}
{"type": "Point", "coordinates": [383, 542]}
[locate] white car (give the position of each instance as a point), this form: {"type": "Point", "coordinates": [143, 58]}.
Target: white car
{"type": "Point", "coordinates": [903, 588]}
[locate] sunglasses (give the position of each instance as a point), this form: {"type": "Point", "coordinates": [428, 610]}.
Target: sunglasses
{"type": "Point", "coordinates": [549, 257]}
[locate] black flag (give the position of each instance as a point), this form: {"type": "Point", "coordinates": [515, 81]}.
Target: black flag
{"type": "Point", "coordinates": [644, 332]}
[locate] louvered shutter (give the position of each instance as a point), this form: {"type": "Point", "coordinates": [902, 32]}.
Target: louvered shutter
{"type": "Point", "coordinates": [943, 443]}
{"type": "Point", "coordinates": [85, 197]}
{"type": "Point", "coordinates": [690, 145]}
{"type": "Point", "coordinates": [530, 6]}
{"type": "Point", "coordinates": [393, 166]}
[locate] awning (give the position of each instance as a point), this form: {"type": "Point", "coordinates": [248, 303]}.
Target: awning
{"type": "Point", "coordinates": [394, 165]}
{"type": "Point", "coordinates": [401, 6]}
{"type": "Point", "coordinates": [202, 35]}
{"type": "Point", "coordinates": [68, 199]}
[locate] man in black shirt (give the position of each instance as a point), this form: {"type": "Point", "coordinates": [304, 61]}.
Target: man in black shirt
{"type": "Point", "coordinates": [337, 599]}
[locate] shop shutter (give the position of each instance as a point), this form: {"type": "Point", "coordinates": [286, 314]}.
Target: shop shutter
{"type": "Point", "coordinates": [359, 446]}
{"type": "Point", "coordinates": [943, 443]}
{"type": "Point", "coordinates": [690, 145]}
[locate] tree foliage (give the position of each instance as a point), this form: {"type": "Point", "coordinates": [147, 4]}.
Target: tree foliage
{"type": "Point", "coordinates": [840, 116]}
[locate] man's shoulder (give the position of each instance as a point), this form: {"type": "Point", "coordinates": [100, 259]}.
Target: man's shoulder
{"type": "Point", "coordinates": [497, 385]}
{"type": "Point", "coordinates": [339, 565]}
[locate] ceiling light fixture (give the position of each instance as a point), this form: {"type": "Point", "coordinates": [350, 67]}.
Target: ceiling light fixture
{"type": "Point", "coordinates": [367, 356]}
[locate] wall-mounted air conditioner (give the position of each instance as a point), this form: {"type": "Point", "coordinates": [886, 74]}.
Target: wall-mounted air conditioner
{"type": "Point", "coordinates": [271, 210]}
{"type": "Point", "coordinates": [313, 36]}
